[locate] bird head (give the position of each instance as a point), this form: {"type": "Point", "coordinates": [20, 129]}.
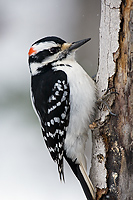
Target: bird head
{"type": "Point", "coordinates": [49, 50]}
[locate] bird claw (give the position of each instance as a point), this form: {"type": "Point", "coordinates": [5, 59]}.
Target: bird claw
{"type": "Point", "coordinates": [105, 97]}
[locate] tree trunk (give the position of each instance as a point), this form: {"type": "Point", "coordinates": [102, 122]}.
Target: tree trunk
{"type": "Point", "coordinates": [112, 163]}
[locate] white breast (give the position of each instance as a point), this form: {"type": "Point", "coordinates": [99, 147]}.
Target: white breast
{"type": "Point", "coordinates": [82, 102]}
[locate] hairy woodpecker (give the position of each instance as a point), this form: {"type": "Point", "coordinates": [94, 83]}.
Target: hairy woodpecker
{"type": "Point", "coordinates": [64, 98]}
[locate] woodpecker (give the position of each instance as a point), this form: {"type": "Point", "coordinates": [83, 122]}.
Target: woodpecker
{"type": "Point", "coordinates": [64, 97]}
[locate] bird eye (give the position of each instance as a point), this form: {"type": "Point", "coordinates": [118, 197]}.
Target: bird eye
{"type": "Point", "coordinates": [54, 50]}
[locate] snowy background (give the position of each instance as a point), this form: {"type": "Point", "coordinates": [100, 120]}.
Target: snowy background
{"type": "Point", "coordinates": [27, 172]}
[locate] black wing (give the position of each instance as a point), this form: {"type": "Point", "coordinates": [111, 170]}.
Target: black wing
{"type": "Point", "coordinates": [51, 99]}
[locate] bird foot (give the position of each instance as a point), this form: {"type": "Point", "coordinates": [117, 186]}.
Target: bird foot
{"type": "Point", "coordinates": [103, 103]}
{"type": "Point", "coordinates": [107, 100]}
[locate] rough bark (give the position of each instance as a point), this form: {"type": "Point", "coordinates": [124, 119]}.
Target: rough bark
{"type": "Point", "coordinates": [112, 163]}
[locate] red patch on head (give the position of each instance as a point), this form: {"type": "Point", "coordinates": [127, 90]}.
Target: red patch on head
{"type": "Point", "coordinates": [31, 51]}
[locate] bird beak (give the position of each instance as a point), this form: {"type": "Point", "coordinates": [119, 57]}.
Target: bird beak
{"type": "Point", "coordinates": [74, 45]}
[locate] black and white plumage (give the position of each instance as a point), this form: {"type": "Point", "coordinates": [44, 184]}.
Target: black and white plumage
{"type": "Point", "coordinates": [64, 99]}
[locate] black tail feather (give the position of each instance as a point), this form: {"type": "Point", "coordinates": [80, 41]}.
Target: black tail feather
{"type": "Point", "coordinates": [76, 170]}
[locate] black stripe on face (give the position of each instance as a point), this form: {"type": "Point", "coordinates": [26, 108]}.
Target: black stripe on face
{"type": "Point", "coordinates": [39, 57]}
{"type": "Point", "coordinates": [42, 55]}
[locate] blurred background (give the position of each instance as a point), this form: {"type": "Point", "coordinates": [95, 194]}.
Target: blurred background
{"type": "Point", "coordinates": [27, 171]}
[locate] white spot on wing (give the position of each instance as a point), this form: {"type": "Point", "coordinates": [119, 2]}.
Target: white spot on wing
{"type": "Point", "coordinates": [57, 93]}
{"type": "Point", "coordinates": [47, 134]}
{"type": "Point", "coordinates": [60, 145]}
{"type": "Point", "coordinates": [51, 109]}
{"type": "Point", "coordinates": [51, 149]}
{"type": "Point", "coordinates": [63, 115]}
{"type": "Point", "coordinates": [57, 119]}
{"type": "Point", "coordinates": [59, 103]}
{"type": "Point", "coordinates": [53, 97]}
{"type": "Point", "coordinates": [63, 98]}
{"type": "Point", "coordinates": [52, 121]}
{"type": "Point", "coordinates": [52, 135]}
{"type": "Point", "coordinates": [45, 138]}
{"type": "Point", "coordinates": [61, 133]}
{"type": "Point", "coordinates": [48, 123]}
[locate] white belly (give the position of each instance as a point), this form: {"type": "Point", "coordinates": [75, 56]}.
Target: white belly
{"type": "Point", "coordinates": [82, 102]}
